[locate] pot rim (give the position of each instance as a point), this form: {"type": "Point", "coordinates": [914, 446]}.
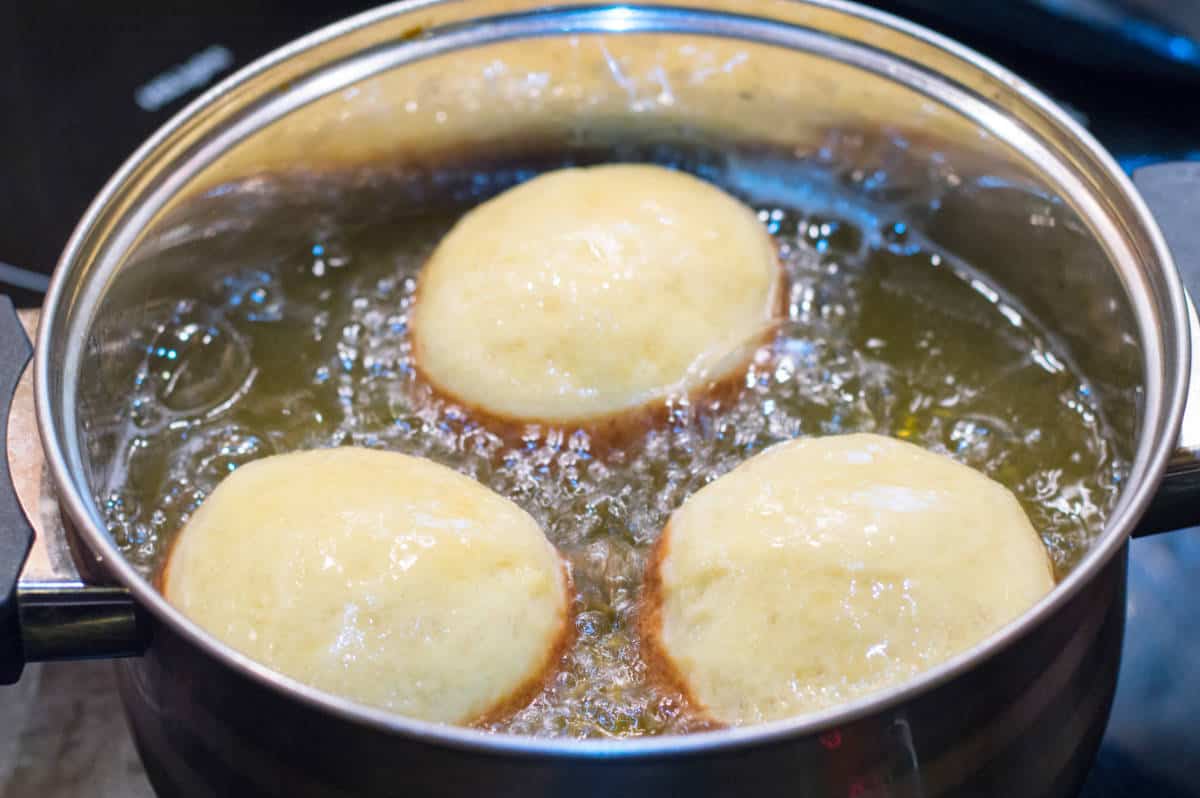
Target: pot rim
{"type": "Point", "coordinates": [1164, 404]}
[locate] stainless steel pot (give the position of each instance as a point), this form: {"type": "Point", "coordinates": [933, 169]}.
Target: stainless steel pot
{"type": "Point", "coordinates": [836, 89]}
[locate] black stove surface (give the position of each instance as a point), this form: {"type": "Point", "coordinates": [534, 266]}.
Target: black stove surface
{"type": "Point", "coordinates": [83, 84]}
{"type": "Point", "coordinates": [1153, 740]}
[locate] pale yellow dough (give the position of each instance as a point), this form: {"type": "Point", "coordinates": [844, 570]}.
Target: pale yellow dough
{"type": "Point", "coordinates": [586, 292]}
{"type": "Point", "coordinates": [827, 568]}
{"type": "Point", "coordinates": [383, 578]}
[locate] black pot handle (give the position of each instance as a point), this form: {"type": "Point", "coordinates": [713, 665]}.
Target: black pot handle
{"type": "Point", "coordinates": [16, 534]}
{"type": "Point", "coordinates": [1172, 191]}
{"type": "Point", "coordinates": [47, 610]}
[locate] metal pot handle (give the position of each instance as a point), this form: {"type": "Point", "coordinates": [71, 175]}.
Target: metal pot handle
{"type": "Point", "coordinates": [16, 535]}
{"type": "Point", "coordinates": [1172, 190]}
{"type": "Point", "coordinates": [47, 611]}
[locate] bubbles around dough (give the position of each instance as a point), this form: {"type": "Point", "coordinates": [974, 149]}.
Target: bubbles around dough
{"type": "Point", "coordinates": [387, 579]}
{"type": "Point", "coordinates": [583, 293]}
{"type": "Point", "coordinates": [827, 568]}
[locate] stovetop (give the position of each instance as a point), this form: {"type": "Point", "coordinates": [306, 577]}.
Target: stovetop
{"type": "Point", "coordinates": [83, 84]}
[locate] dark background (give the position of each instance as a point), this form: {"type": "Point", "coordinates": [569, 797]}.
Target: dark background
{"type": "Point", "coordinates": [70, 73]}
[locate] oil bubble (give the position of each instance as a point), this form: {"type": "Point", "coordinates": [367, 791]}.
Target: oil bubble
{"type": "Point", "coordinates": [196, 361]}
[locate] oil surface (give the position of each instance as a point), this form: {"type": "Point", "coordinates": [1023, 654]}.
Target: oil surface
{"type": "Point", "coordinates": [884, 333]}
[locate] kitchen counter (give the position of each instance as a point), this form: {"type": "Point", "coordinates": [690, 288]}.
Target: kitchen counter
{"type": "Point", "coordinates": [63, 735]}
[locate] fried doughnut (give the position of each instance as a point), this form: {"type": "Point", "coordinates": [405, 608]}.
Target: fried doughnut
{"type": "Point", "coordinates": [383, 578]}
{"type": "Point", "coordinates": [824, 569]}
{"type": "Point", "coordinates": [584, 294]}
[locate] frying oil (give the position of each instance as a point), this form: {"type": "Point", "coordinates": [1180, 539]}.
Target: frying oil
{"type": "Point", "coordinates": [883, 333]}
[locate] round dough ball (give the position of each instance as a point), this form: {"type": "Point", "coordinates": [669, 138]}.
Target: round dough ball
{"type": "Point", "coordinates": [827, 568]}
{"type": "Point", "coordinates": [387, 579]}
{"type": "Point", "coordinates": [583, 293]}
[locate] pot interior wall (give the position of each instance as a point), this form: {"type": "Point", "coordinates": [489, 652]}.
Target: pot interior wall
{"type": "Point", "coordinates": [432, 114]}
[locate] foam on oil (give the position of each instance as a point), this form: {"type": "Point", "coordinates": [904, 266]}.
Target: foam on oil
{"type": "Point", "coordinates": [883, 333]}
